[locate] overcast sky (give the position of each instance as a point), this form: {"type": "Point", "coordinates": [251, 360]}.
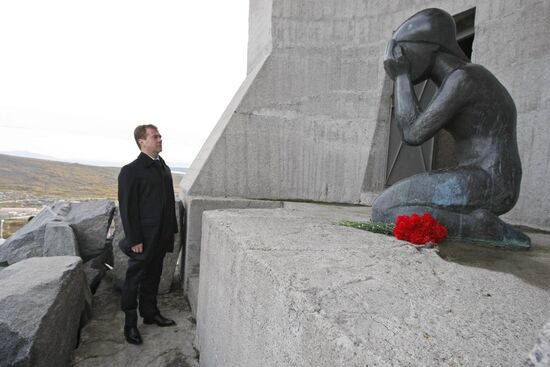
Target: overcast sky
{"type": "Point", "coordinates": [76, 76]}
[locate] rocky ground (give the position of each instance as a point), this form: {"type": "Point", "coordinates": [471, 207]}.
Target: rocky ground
{"type": "Point", "coordinates": [102, 342]}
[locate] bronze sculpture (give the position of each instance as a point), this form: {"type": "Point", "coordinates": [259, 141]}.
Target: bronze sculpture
{"type": "Point", "coordinates": [476, 109]}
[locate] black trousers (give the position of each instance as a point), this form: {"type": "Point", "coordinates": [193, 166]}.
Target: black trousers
{"type": "Point", "coordinates": [142, 282]}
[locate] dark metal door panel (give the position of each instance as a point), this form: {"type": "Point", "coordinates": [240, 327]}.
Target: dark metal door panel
{"type": "Point", "coordinates": [404, 160]}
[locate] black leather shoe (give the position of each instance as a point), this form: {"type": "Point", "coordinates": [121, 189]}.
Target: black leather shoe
{"type": "Point", "coordinates": [132, 335]}
{"type": "Point", "coordinates": [159, 320]}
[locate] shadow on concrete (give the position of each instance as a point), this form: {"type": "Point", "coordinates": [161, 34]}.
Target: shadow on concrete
{"type": "Point", "coordinates": [531, 266]}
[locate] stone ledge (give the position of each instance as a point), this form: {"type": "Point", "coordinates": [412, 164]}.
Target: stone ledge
{"type": "Point", "coordinates": [283, 288]}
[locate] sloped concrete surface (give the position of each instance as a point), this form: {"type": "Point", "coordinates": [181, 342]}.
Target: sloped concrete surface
{"type": "Point", "coordinates": [103, 345]}
{"type": "Point", "coordinates": [289, 287]}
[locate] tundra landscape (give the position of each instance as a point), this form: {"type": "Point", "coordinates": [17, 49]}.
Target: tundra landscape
{"type": "Point", "coordinates": [28, 184]}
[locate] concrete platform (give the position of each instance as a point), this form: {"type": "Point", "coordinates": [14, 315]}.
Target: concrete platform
{"type": "Point", "coordinates": [289, 287]}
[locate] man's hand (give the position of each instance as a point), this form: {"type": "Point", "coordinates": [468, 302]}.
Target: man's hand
{"type": "Point", "coordinates": [138, 249]}
{"type": "Point", "coordinates": [395, 62]}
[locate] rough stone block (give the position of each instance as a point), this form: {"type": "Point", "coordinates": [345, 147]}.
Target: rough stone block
{"type": "Point", "coordinates": [60, 240]}
{"type": "Point", "coordinates": [284, 288]}
{"type": "Point", "coordinates": [42, 301]}
{"type": "Point", "coordinates": [28, 241]}
{"type": "Point", "coordinates": [93, 276]}
{"type": "Point", "coordinates": [89, 220]}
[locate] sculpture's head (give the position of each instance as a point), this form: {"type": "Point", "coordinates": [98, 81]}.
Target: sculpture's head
{"type": "Point", "coordinates": [422, 36]}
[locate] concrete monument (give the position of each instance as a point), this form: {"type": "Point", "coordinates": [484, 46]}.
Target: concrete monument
{"type": "Point", "coordinates": [476, 109]}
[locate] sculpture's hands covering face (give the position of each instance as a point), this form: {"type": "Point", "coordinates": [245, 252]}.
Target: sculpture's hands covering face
{"type": "Point", "coordinates": [395, 61]}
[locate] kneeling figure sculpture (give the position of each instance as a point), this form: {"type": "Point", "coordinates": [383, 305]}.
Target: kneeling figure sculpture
{"type": "Point", "coordinates": [475, 108]}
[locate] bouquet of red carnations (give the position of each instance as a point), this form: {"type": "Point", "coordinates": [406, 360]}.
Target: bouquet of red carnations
{"type": "Point", "coordinates": [419, 230]}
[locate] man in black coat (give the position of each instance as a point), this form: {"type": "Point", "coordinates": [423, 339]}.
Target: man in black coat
{"type": "Point", "coordinates": [147, 210]}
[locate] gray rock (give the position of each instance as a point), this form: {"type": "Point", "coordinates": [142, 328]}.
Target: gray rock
{"type": "Point", "coordinates": [90, 221]}
{"type": "Point", "coordinates": [540, 355]}
{"type": "Point", "coordinates": [93, 275]}
{"type": "Point", "coordinates": [170, 260]}
{"type": "Point", "coordinates": [120, 260]}
{"type": "Point", "coordinates": [42, 302]}
{"type": "Point", "coordinates": [60, 240]}
{"type": "Point", "coordinates": [97, 267]}
{"type": "Point", "coordinates": [28, 241]}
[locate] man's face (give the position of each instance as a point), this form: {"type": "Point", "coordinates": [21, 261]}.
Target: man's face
{"type": "Point", "coordinates": [152, 144]}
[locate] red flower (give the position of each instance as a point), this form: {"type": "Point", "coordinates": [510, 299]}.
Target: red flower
{"type": "Point", "coordinates": [419, 229]}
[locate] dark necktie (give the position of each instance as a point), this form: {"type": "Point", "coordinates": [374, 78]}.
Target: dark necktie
{"type": "Point", "coordinates": [160, 168]}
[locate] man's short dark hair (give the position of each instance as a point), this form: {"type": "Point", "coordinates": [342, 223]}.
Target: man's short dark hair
{"type": "Point", "coordinates": [140, 132]}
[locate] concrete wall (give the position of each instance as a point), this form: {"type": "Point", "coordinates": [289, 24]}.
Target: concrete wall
{"type": "Point", "coordinates": [311, 120]}
{"type": "Point", "coordinates": [195, 207]}
{"type": "Point", "coordinates": [300, 129]}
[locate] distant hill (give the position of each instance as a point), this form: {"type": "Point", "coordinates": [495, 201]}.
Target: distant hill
{"type": "Point", "coordinates": [45, 178]}
{"type": "Point", "coordinates": [25, 154]}
{"type": "Point", "coordinates": [175, 166]}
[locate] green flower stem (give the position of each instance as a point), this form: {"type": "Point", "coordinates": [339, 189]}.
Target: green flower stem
{"type": "Point", "coordinates": [383, 228]}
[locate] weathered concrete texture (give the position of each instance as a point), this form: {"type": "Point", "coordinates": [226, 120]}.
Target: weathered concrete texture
{"type": "Point", "coordinates": [195, 206]}
{"type": "Point", "coordinates": [89, 220]}
{"type": "Point", "coordinates": [170, 260]}
{"type": "Point", "coordinates": [42, 302]}
{"type": "Point", "coordinates": [193, 293]}
{"type": "Point", "coordinates": [300, 131]}
{"type": "Point", "coordinates": [311, 119]}
{"type": "Point", "coordinates": [540, 355]}
{"type": "Point", "coordinates": [102, 342]}
{"type": "Point", "coordinates": [289, 288]}
{"type": "Point", "coordinates": [259, 30]}
{"type": "Point", "coordinates": [515, 45]}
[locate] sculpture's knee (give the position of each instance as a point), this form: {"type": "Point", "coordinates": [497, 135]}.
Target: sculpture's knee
{"type": "Point", "coordinates": [381, 207]}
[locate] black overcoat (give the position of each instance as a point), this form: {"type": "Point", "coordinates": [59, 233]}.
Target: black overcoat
{"type": "Point", "coordinates": [147, 206]}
